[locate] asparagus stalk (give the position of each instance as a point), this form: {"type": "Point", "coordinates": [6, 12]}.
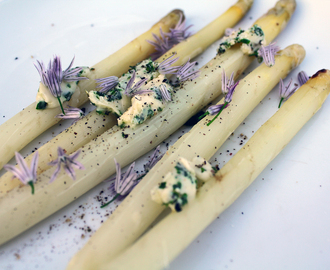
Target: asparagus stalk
{"type": "Point", "coordinates": [130, 220]}
{"type": "Point", "coordinates": [176, 231]}
{"type": "Point", "coordinates": [93, 125]}
{"type": "Point", "coordinates": [19, 210]}
{"type": "Point", "coordinates": [25, 126]}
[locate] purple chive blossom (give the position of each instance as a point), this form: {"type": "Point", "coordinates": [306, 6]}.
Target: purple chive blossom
{"type": "Point", "coordinates": [184, 72]}
{"type": "Point", "coordinates": [285, 91]}
{"type": "Point", "coordinates": [214, 109]}
{"type": "Point", "coordinates": [71, 113]}
{"type": "Point", "coordinates": [230, 87]}
{"type": "Point", "coordinates": [302, 77]}
{"type": "Point", "coordinates": [28, 176]}
{"type": "Point", "coordinates": [168, 40]}
{"type": "Point", "coordinates": [179, 32]}
{"type": "Point", "coordinates": [161, 44]}
{"type": "Point", "coordinates": [123, 183]}
{"type": "Point", "coordinates": [54, 75]}
{"type": "Point", "coordinates": [166, 95]}
{"type": "Point", "coordinates": [166, 67]}
{"type": "Point", "coordinates": [68, 163]}
{"type": "Point", "coordinates": [227, 84]}
{"type": "Point", "coordinates": [229, 95]}
{"type": "Point", "coordinates": [106, 84]}
{"type": "Point", "coordinates": [132, 90]}
{"type": "Point", "coordinates": [267, 53]}
{"type": "Point", "coordinates": [154, 158]}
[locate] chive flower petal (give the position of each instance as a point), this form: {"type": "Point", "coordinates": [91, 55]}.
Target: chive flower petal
{"type": "Point", "coordinates": [71, 113]}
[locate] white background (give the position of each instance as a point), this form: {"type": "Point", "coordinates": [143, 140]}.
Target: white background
{"type": "Point", "coordinates": [281, 221]}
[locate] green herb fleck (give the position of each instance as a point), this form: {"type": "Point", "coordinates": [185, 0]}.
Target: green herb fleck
{"type": "Point", "coordinates": [67, 95]}
{"type": "Point", "coordinates": [41, 105]}
{"type": "Point", "coordinates": [162, 185]}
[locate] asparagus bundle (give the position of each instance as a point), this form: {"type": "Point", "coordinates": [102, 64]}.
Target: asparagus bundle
{"type": "Point", "coordinates": [130, 220]}
{"type": "Point", "coordinates": [20, 210]}
{"type": "Point", "coordinates": [177, 230]}
{"type": "Point", "coordinates": [25, 126]}
{"type": "Point", "coordinates": [94, 124]}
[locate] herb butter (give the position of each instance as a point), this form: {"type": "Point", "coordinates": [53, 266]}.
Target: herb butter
{"type": "Point", "coordinates": [145, 105]}
{"type": "Point", "coordinates": [180, 186]}
{"type": "Point", "coordinates": [251, 40]}
{"type": "Point", "coordinates": [115, 101]}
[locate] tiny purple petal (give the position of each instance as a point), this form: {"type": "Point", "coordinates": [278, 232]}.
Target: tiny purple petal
{"type": "Point", "coordinates": [56, 172]}
{"type": "Point", "coordinates": [228, 85]}
{"type": "Point", "coordinates": [106, 84]}
{"type": "Point", "coordinates": [130, 89]}
{"type": "Point", "coordinates": [142, 92]}
{"type": "Point", "coordinates": [130, 83]}
{"type": "Point", "coordinates": [155, 157]}
{"type": "Point", "coordinates": [125, 183]}
{"type": "Point", "coordinates": [230, 93]}
{"type": "Point", "coordinates": [302, 77]}
{"type": "Point", "coordinates": [166, 95]}
{"type": "Point", "coordinates": [71, 113]}
{"type": "Point", "coordinates": [52, 82]}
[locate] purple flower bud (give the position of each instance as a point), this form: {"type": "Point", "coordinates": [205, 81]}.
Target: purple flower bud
{"type": "Point", "coordinates": [214, 109]}
{"type": "Point", "coordinates": [302, 77]}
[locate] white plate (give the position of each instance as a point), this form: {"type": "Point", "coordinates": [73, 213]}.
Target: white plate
{"type": "Point", "coordinates": [281, 221]}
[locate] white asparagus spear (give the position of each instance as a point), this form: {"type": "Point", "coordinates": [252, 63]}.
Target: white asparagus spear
{"type": "Point", "coordinates": [25, 126]}
{"type": "Point", "coordinates": [172, 235]}
{"type": "Point", "coordinates": [130, 220]}
{"type": "Point", "coordinates": [89, 127]}
{"type": "Point", "coordinates": [19, 210]}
